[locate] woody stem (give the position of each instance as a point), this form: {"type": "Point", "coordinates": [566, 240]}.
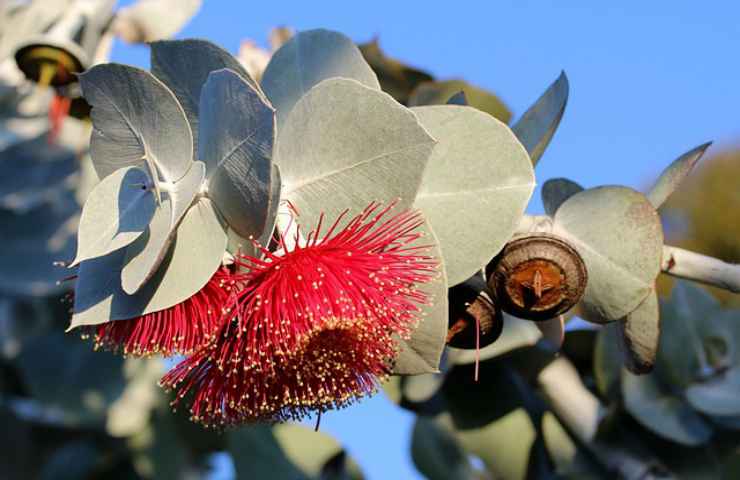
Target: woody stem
{"type": "Point", "coordinates": [701, 268]}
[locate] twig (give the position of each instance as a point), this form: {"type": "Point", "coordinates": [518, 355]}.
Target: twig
{"type": "Point", "coordinates": [701, 268]}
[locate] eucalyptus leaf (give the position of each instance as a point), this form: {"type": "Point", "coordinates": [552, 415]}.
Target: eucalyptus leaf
{"type": "Point", "coordinates": [478, 170]}
{"type": "Point", "coordinates": [196, 254]}
{"type": "Point", "coordinates": [640, 334]}
{"type": "Point", "coordinates": [237, 132]}
{"type": "Point", "coordinates": [661, 412]}
{"type": "Point", "coordinates": [421, 388]}
{"type": "Point", "coordinates": [116, 212]}
{"type": "Point", "coordinates": [72, 461]}
{"type": "Point", "coordinates": [505, 445]}
{"type": "Point", "coordinates": [34, 171]}
{"type": "Point", "coordinates": [538, 124]}
{"type": "Point", "coordinates": [396, 78]}
{"type": "Point", "coordinates": [436, 453]}
{"type": "Point", "coordinates": [272, 210]}
{"type": "Point", "coordinates": [439, 93]}
{"type": "Point", "coordinates": [618, 234]}
{"type": "Point", "coordinates": [674, 174]}
{"type": "Point", "coordinates": [717, 396]}
{"type": "Point", "coordinates": [149, 20]}
{"type": "Point", "coordinates": [458, 99]}
{"type": "Point", "coordinates": [257, 454]}
{"type": "Point", "coordinates": [306, 60]}
{"type": "Point", "coordinates": [80, 384]}
{"type": "Point", "coordinates": [184, 66]}
{"type": "Point", "coordinates": [557, 190]}
{"type": "Point", "coordinates": [422, 352]}
{"type": "Point", "coordinates": [137, 121]}
{"type": "Point", "coordinates": [306, 448]}
{"type": "Point", "coordinates": [344, 146]}
{"type": "Point", "coordinates": [690, 316]}
{"type": "Point", "coordinates": [608, 361]}
{"type": "Point", "coordinates": [33, 242]}
{"type": "Point", "coordinates": [517, 333]}
{"type": "Point", "coordinates": [146, 253]}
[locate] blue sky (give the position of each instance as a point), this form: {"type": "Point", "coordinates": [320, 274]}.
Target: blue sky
{"type": "Point", "coordinates": [649, 81]}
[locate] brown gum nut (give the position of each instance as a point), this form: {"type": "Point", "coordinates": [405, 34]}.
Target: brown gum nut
{"type": "Point", "coordinates": [537, 277]}
{"type": "Point", "coordinates": [470, 302]}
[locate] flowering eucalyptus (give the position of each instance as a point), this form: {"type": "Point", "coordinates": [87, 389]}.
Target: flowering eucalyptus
{"type": "Point", "coordinates": [176, 249]}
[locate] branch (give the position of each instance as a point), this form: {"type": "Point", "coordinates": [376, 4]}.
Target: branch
{"type": "Point", "coordinates": [701, 268]}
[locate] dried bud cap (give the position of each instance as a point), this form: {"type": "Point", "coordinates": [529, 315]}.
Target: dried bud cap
{"type": "Point", "coordinates": [537, 277]}
{"type": "Point", "coordinates": [470, 304]}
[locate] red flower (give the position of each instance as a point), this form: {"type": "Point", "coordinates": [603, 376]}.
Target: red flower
{"type": "Point", "coordinates": [313, 328]}
{"type": "Point", "coordinates": [180, 329]}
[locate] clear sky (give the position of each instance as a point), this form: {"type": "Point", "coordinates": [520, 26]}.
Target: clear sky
{"type": "Point", "coordinates": [649, 81]}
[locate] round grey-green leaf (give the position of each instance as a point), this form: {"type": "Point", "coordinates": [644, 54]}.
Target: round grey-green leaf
{"type": "Point", "coordinates": [718, 396]}
{"type": "Point", "coordinates": [184, 66]}
{"type": "Point", "coordinates": [475, 188]}
{"type": "Point", "coordinates": [556, 191]}
{"type": "Point", "coordinates": [663, 413]}
{"type": "Point", "coordinates": [237, 133]}
{"type": "Point", "coordinates": [618, 233]}
{"type": "Point", "coordinates": [344, 146]}
{"type": "Point", "coordinates": [422, 352]}
{"type": "Point", "coordinates": [116, 212]}
{"type": "Point", "coordinates": [307, 59]}
{"type": "Point", "coordinates": [137, 121]}
{"type": "Point", "coordinates": [196, 254]}
{"type": "Point", "coordinates": [146, 253]}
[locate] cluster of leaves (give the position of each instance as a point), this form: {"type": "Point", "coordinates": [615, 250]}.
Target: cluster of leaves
{"type": "Point", "coordinates": [531, 414]}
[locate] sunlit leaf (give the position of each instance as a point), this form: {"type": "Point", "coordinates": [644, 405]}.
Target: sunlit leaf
{"type": "Point", "coordinates": [344, 146]}
{"type": "Point", "coordinates": [437, 454]}
{"type": "Point", "coordinates": [557, 190]}
{"type": "Point", "coordinates": [674, 174]}
{"type": "Point", "coordinates": [311, 451]}
{"type": "Point", "coordinates": [516, 334]}
{"type": "Point", "coordinates": [619, 235]}
{"type": "Point", "coordinates": [237, 132]}
{"type": "Point", "coordinates": [196, 254]}
{"type": "Point", "coordinates": [307, 59]}
{"type": "Point", "coordinates": [421, 353]}
{"type": "Point", "coordinates": [184, 66]}
{"type": "Point", "coordinates": [438, 93]}
{"type": "Point", "coordinates": [136, 122]}
{"type": "Point", "coordinates": [257, 454]}
{"type": "Point", "coordinates": [144, 255]}
{"type": "Point", "coordinates": [117, 211]}
{"type": "Point", "coordinates": [477, 171]}
{"type": "Point", "coordinates": [538, 124]}
{"type": "Point", "coordinates": [149, 20]}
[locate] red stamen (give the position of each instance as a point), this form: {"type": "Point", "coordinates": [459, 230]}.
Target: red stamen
{"type": "Point", "coordinates": [180, 329]}
{"type": "Point", "coordinates": [313, 328]}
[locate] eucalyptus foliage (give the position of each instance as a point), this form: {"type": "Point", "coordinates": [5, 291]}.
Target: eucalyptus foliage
{"type": "Point", "coordinates": [189, 163]}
